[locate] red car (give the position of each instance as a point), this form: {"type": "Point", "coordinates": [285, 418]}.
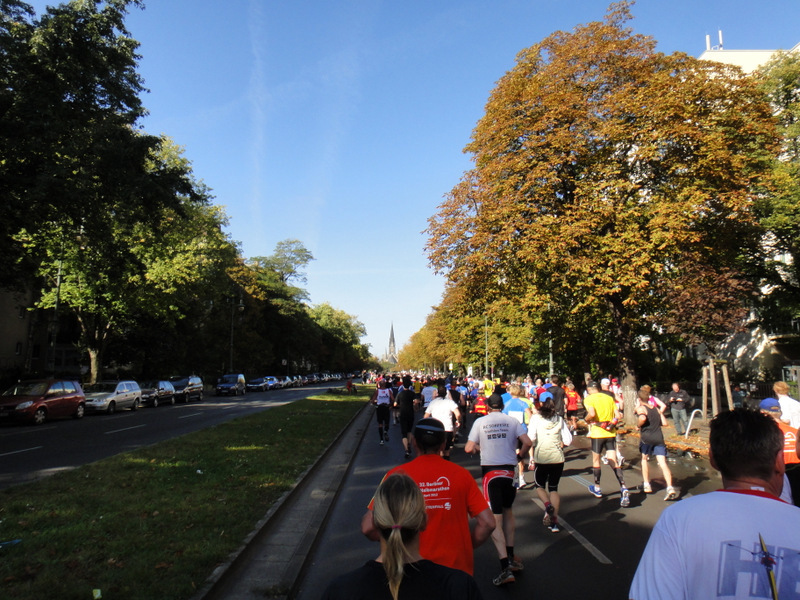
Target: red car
{"type": "Point", "coordinates": [42, 399]}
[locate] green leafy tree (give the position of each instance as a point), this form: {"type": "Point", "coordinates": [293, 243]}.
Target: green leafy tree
{"type": "Point", "coordinates": [69, 103]}
{"type": "Point", "coordinates": [135, 271]}
{"type": "Point", "coordinates": [616, 175]}
{"type": "Point", "coordinates": [780, 207]}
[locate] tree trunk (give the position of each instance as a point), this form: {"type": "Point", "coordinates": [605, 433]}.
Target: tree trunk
{"type": "Point", "coordinates": [94, 365]}
{"type": "Point", "coordinates": [627, 367]}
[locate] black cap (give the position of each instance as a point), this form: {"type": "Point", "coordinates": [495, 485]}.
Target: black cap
{"type": "Point", "coordinates": [495, 401]}
{"type": "Point", "coordinates": [429, 426]}
{"type": "Point", "coordinates": [592, 384]}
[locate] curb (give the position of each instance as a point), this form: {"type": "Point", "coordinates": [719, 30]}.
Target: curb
{"type": "Point", "coordinates": [214, 584]}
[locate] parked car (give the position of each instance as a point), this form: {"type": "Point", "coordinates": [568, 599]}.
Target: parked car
{"type": "Point", "coordinates": [287, 382]}
{"type": "Point", "coordinates": [258, 384]}
{"type": "Point", "coordinates": [187, 388]}
{"type": "Point", "coordinates": [274, 383]}
{"type": "Point", "coordinates": [157, 392]}
{"type": "Point", "coordinates": [109, 396]}
{"type": "Point", "coordinates": [232, 384]}
{"type": "Point", "coordinates": [41, 399]}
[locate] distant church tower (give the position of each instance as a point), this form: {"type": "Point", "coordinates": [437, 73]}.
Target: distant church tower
{"type": "Point", "coordinates": [391, 355]}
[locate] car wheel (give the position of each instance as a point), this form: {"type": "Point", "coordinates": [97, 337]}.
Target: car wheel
{"type": "Point", "coordinates": [200, 397]}
{"type": "Point", "coordinates": [155, 402]}
{"type": "Point", "coordinates": [80, 411]}
{"type": "Point", "coordinates": [172, 400]}
{"type": "Point", "coordinates": [186, 398]}
{"type": "Point", "coordinates": [112, 408]}
{"type": "Point", "coordinates": [135, 405]}
{"type": "Point", "coordinates": [40, 416]}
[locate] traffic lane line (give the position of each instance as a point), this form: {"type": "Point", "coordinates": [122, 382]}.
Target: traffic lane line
{"type": "Point", "coordinates": [579, 537]}
{"type": "Point", "coordinates": [124, 429]}
{"type": "Point", "coordinates": [23, 450]}
{"type": "Point", "coordinates": [27, 431]}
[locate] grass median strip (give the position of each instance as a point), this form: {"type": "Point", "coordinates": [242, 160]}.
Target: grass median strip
{"type": "Point", "coordinates": [155, 522]}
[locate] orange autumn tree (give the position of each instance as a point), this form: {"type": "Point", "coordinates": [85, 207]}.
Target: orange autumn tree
{"type": "Point", "coordinates": [615, 181]}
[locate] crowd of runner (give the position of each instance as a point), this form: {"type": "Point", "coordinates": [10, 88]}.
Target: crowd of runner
{"type": "Point", "coordinates": [521, 428]}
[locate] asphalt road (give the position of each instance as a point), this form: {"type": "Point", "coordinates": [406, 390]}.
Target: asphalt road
{"type": "Point", "coordinates": [28, 452]}
{"type": "Point", "coordinates": [594, 556]}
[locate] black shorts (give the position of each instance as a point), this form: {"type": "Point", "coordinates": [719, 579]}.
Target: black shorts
{"type": "Point", "coordinates": [603, 445]}
{"type": "Point", "coordinates": [498, 487]}
{"type": "Point", "coordinates": [448, 440]}
{"type": "Point", "coordinates": [572, 413]}
{"type": "Point", "coordinates": [547, 476]}
{"type": "Point", "coordinates": [406, 422]}
{"type": "Point", "coordinates": [382, 413]}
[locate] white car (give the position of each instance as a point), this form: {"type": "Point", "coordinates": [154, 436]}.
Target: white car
{"type": "Point", "coordinates": [109, 396]}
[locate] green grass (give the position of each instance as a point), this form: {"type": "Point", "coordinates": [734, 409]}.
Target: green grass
{"type": "Point", "coordinates": [155, 522]}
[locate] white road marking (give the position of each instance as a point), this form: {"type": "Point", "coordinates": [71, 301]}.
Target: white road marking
{"type": "Point", "coordinates": [591, 548]}
{"type": "Point", "coordinates": [19, 451]}
{"type": "Point", "coordinates": [27, 431]}
{"type": "Point", "coordinates": [191, 415]}
{"type": "Point", "coordinates": [125, 429]}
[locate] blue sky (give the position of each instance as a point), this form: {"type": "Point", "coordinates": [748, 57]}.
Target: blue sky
{"type": "Point", "coordinates": [342, 124]}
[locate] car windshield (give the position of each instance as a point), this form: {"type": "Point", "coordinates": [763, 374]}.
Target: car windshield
{"type": "Point", "coordinates": [229, 379]}
{"type": "Point", "coordinates": [102, 387]}
{"type": "Point", "coordinates": [27, 388]}
{"type": "Point", "coordinates": [149, 384]}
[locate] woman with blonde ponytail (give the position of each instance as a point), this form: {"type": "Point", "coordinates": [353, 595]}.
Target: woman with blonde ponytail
{"type": "Point", "coordinates": [400, 573]}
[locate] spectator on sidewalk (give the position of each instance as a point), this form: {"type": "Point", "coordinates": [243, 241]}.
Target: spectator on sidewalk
{"type": "Point", "coordinates": [677, 400]}
{"type": "Point", "coordinates": [495, 437]}
{"type": "Point", "coordinates": [791, 461]}
{"type": "Point", "coordinates": [452, 499]}
{"type": "Point", "coordinates": [650, 421]}
{"type": "Point", "coordinates": [738, 542]}
{"type": "Point", "coordinates": [399, 518]}
{"type": "Point", "coordinates": [790, 408]}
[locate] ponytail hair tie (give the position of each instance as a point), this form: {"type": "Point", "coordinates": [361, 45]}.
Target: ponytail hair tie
{"type": "Point", "coordinates": [397, 526]}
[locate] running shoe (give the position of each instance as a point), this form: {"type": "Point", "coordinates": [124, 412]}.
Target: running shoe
{"type": "Point", "coordinates": [408, 455]}
{"type": "Point", "coordinates": [594, 490]}
{"type": "Point", "coordinates": [554, 528]}
{"type": "Point", "coordinates": [381, 442]}
{"type": "Point", "coordinates": [515, 565]}
{"type": "Point", "coordinates": [672, 494]}
{"type": "Point", "coordinates": [625, 501]}
{"type": "Point", "coordinates": [505, 577]}
{"type": "Point", "coordinates": [605, 460]}
{"type": "Point", "coordinates": [549, 511]}
{"type": "Point", "coordinates": [386, 437]}
{"type": "Point", "coordinates": [646, 488]}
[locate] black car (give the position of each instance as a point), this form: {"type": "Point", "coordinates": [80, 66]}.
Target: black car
{"type": "Point", "coordinates": [157, 392]}
{"type": "Point", "coordinates": [232, 384]}
{"type": "Point", "coordinates": [187, 388]}
{"type": "Point", "coordinates": [259, 384]}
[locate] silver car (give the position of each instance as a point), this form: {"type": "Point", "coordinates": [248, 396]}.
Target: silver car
{"type": "Point", "coordinates": [109, 396]}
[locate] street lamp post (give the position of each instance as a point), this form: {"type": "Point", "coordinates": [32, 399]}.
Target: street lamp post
{"type": "Point", "coordinates": [240, 307]}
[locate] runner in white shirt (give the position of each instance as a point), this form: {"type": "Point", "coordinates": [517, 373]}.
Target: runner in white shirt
{"type": "Point", "coordinates": [445, 410]}
{"type": "Point", "coordinates": [739, 542]}
{"type": "Point", "coordinates": [495, 437]}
